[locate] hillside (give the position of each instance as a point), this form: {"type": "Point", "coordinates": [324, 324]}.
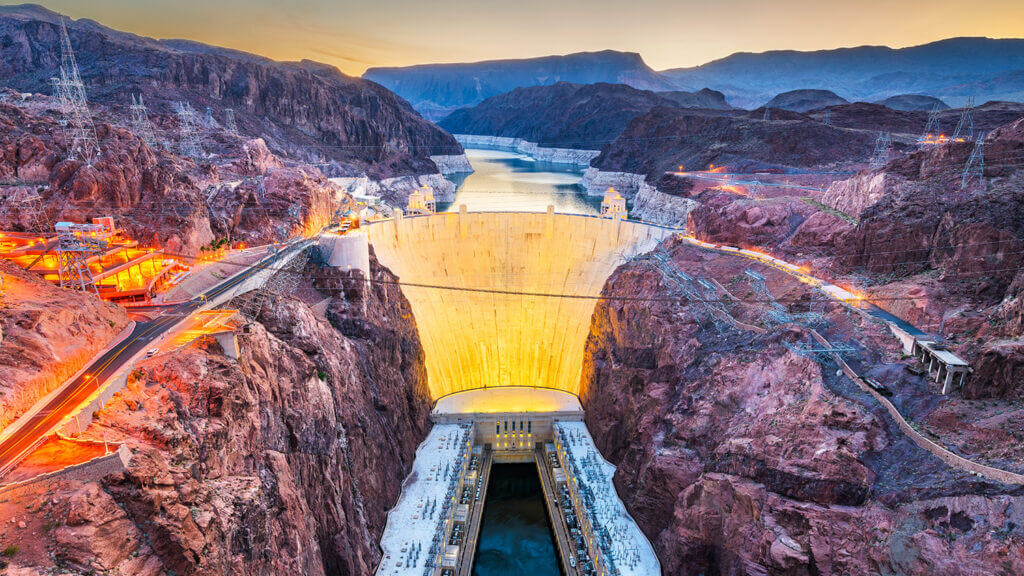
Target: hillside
{"type": "Point", "coordinates": [563, 115]}
{"type": "Point", "coordinates": [805, 100]}
{"type": "Point", "coordinates": [306, 110]}
{"type": "Point", "coordinates": [951, 69]}
{"type": "Point", "coordinates": [910, 102]}
{"type": "Point", "coordinates": [437, 89]}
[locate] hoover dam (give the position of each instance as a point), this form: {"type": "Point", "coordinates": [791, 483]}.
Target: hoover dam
{"type": "Point", "coordinates": [505, 299]}
{"type": "Point", "coordinates": [503, 304]}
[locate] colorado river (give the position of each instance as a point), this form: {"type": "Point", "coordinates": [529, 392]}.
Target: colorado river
{"type": "Point", "coordinates": [515, 537]}
{"type": "Point", "coordinates": [507, 181]}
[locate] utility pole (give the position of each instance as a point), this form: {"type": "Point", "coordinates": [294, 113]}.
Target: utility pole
{"type": "Point", "coordinates": [965, 128]}
{"type": "Point", "coordinates": [883, 146]}
{"type": "Point", "coordinates": [932, 130]}
{"type": "Point", "coordinates": [76, 120]}
{"type": "Point", "coordinates": [141, 125]}
{"type": "Point", "coordinates": [189, 140]}
{"type": "Point", "coordinates": [229, 121]}
{"type": "Point", "coordinates": [975, 164]}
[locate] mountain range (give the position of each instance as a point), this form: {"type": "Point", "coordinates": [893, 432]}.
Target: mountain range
{"type": "Point", "coordinates": [305, 110]}
{"type": "Point", "coordinates": [952, 69]}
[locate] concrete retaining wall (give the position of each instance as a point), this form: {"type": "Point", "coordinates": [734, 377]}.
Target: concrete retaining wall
{"type": "Point", "coordinates": [94, 469]}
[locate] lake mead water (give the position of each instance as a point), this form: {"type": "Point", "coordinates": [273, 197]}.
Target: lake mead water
{"type": "Point", "coordinates": [507, 181]}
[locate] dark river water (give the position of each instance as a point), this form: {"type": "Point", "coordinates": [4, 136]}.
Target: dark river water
{"type": "Point", "coordinates": [506, 181]}
{"type": "Point", "coordinates": [515, 536]}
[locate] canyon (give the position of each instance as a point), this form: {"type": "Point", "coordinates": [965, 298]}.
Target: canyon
{"type": "Point", "coordinates": [727, 380]}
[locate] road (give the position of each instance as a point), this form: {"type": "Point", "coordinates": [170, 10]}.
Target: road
{"type": "Point", "coordinates": [35, 430]}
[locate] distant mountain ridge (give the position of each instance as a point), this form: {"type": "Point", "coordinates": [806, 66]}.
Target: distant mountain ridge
{"type": "Point", "coordinates": [565, 115]}
{"type": "Point", "coordinates": [437, 89]}
{"type": "Point", "coordinates": [952, 69]}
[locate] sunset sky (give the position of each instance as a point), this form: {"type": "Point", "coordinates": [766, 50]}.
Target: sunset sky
{"type": "Point", "coordinates": [356, 34]}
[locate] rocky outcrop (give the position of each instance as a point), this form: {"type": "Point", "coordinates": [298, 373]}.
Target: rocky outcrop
{"type": "Point", "coordinates": [737, 456]}
{"type": "Point", "coordinates": [532, 149]}
{"type": "Point", "coordinates": [727, 218]}
{"type": "Point", "coordinates": [668, 137]}
{"type": "Point", "coordinates": [307, 110]}
{"type": "Point", "coordinates": [396, 191]}
{"type": "Point", "coordinates": [805, 100]}
{"type": "Point", "coordinates": [596, 182]}
{"type": "Point", "coordinates": [452, 164]}
{"type": "Point", "coordinates": [46, 335]}
{"type": "Point", "coordinates": [563, 115]}
{"type": "Point", "coordinates": [913, 102]}
{"type": "Point", "coordinates": [284, 461]}
{"type": "Point", "coordinates": [155, 195]}
{"type": "Point", "coordinates": [652, 205]}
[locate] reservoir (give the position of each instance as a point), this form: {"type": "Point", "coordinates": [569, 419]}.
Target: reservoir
{"type": "Point", "coordinates": [508, 181]}
{"type": "Point", "coordinates": [515, 535]}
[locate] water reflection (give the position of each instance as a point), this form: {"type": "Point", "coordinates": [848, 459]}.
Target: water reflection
{"type": "Point", "coordinates": [506, 181]}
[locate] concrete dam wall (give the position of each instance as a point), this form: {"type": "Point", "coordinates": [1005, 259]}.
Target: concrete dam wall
{"type": "Point", "coordinates": [476, 339]}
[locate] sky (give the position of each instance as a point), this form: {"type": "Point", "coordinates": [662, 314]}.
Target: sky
{"type": "Point", "coordinates": [356, 34]}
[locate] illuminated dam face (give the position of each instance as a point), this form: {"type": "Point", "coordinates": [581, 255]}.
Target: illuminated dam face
{"type": "Point", "coordinates": [475, 340]}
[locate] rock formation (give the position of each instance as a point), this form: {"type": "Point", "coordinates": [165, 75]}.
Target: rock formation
{"type": "Point", "coordinates": [563, 115]}
{"type": "Point", "coordinates": [805, 100]}
{"type": "Point", "coordinates": [306, 110]}
{"type": "Point", "coordinates": [438, 89]}
{"type": "Point", "coordinates": [46, 335]}
{"type": "Point", "coordinates": [284, 461]}
{"type": "Point", "coordinates": [738, 456]}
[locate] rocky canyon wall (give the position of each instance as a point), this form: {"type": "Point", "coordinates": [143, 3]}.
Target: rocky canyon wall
{"type": "Point", "coordinates": [284, 461]}
{"type": "Point", "coordinates": [738, 456]}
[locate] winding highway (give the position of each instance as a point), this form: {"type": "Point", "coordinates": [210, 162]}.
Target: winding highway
{"type": "Point", "coordinates": [72, 394]}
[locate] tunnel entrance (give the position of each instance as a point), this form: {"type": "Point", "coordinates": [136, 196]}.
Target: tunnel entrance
{"type": "Point", "coordinates": [516, 535]}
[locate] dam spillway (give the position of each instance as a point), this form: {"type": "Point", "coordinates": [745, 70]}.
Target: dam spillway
{"type": "Point", "coordinates": [496, 322]}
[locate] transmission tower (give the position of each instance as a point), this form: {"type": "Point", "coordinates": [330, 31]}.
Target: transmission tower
{"type": "Point", "coordinates": [883, 146]}
{"type": "Point", "coordinates": [229, 121]}
{"type": "Point", "coordinates": [975, 164]}
{"type": "Point", "coordinates": [767, 114]}
{"type": "Point", "coordinates": [279, 285]}
{"type": "Point", "coordinates": [932, 130]}
{"type": "Point", "coordinates": [76, 120]}
{"type": "Point", "coordinates": [965, 128]}
{"type": "Point", "coordinates": [828, 118]}
{"type": "Point", "coordinates": [209, 121]}
{"type": "Point", "coordinates": [76, 243]}
{"type": "Point", "coordinates": [141, 125]}
{"type": "Point", "coordinates": [189, 140]}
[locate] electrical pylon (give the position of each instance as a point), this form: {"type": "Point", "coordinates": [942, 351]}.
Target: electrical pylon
{"type": "Point", "coordinates": [229, 121]}
{"type": "Point", "coordinates": [76, 243]}
{"type": "Point", "coordinates": [883, 146]}
{"type": "Point", "coordinates": [767, 114]}
{"type": "Point", "coordinates": [141, 125]}
{"type": "Point", "coordinates": [76, 120]}
{"type": "Point", "coordinates": [975, 164]}
{"type": "Point", "coordinates": [932, 130]}
{"type": "Point", "coordinates": [189, 143]}
{"type": "Point", "coordinates": [965, 128]}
